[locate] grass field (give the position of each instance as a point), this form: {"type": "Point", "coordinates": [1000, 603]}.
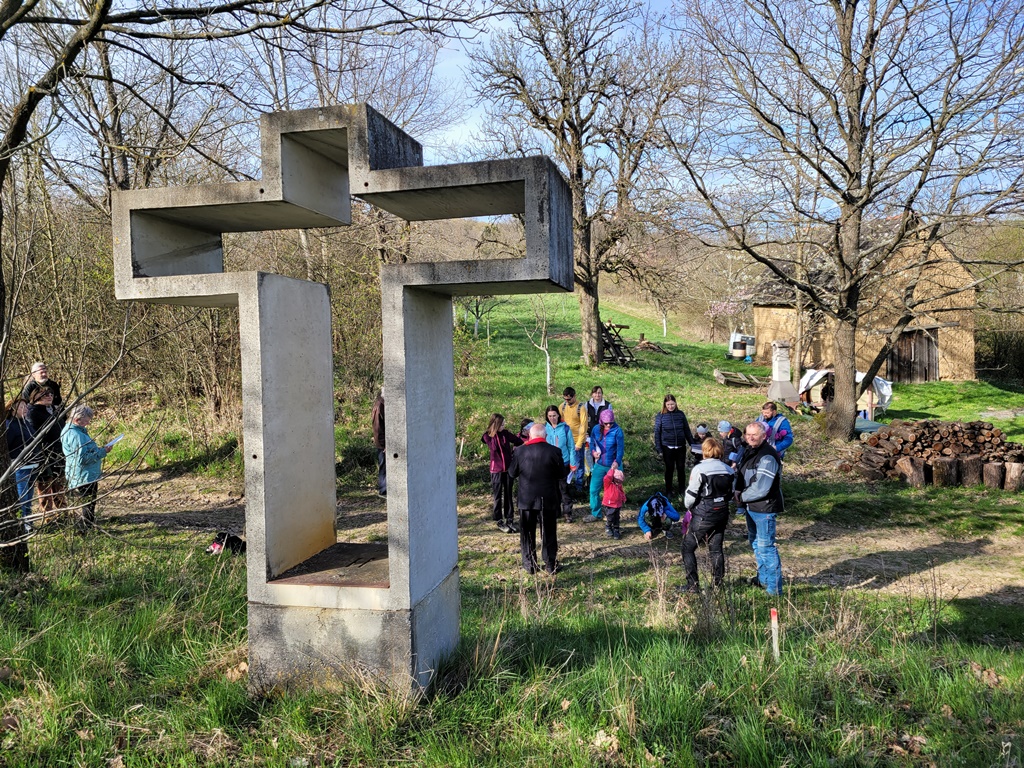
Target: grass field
{"type": "Point", "coordinates": [127, 648]}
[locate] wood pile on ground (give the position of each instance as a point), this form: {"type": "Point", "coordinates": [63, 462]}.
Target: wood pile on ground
{"type": "Point", "coordinates": [648, 346]}
{"type": "Point", "coordinates": [942, 453]}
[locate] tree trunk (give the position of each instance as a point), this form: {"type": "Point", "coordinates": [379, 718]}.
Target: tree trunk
{"type": "Point", "coordinates": [970, 471]}
{"type": "Point", "coordinates": [12, 558]}
{"type": "Point", "coordinates": [945, 471]}
{"type": "Point", "coordinates": [842, 414]}
{"type": "Point", "coordinates": [590, 322]}
{"type": "Point", "coordinates": [993, 473]}
{"type": "Point", "coordinates": [913, 469]}
{"type": "Point", "coordinates": [1014, 476]}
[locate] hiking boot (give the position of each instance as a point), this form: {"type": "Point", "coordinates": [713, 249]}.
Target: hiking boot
{"type": "Point", "coordinates": [503, 527]}
{"type": "Point", "coordinates": [688, 589]}
{"type": "Point", "coordinates": [616, 534]}
{"type": "Point", "coordinates": [512, 527]}
{"type": "Point", "coordinates": [755, 581]}
{"type": "Point", "coordinates": [608, 531]}
{"type": "Point", "coordinates": [668, 533]}
{"type": "Point", "coordinates": [567, 518]}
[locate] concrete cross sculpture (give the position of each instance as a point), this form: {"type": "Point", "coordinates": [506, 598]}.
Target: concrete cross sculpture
{"type": "Point", "coordinates": [319, 608]}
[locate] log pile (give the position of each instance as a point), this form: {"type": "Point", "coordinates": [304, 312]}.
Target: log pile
{"type": "Point", "coordinates": [942, 453]}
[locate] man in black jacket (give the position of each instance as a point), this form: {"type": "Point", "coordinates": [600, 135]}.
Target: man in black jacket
{"type": "Point", "coordinates": [539, 467]}
{"type": "Point", "coordinates": [759, 495]}
{"type": "Point", "coordinates": [40, 377]}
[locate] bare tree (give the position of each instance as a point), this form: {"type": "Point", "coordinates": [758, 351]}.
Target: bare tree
{"type": "Point", "coordinates": [585, 80]}
{"type": "Point", "coordinates": [117, 57]}
{"type": "Point", "coordinates": [902, 120]}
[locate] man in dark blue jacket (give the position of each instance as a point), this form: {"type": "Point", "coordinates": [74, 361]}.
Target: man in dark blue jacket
{"type": "Point", "coordinates": [540, 468]}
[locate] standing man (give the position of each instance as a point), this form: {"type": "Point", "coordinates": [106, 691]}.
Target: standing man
{"type": "Point", "coordinates": [377, 419]}
{"type": "Point", "coordinates": [596, 405]}
{"type": "Point", "coordinates": [759, 496]}
{"type": "Point", "coordinates": [540, 468]}
{"type": "Point", "coordinates": [574, 414]}
{"type": "Point", "coordinates": [40, 377]}
{"type": "Point", "coordinates": [777, 428]}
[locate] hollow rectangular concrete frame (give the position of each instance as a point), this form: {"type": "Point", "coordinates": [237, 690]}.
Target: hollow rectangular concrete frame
{"type": "Point", "coordinates": [168, 248]}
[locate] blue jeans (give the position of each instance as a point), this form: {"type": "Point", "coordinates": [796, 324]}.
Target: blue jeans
{"type": "Point", "coordinates": [761, 535]}
{"type": "Point", "coordinates": [26, 481]}
{"type": "Point", "coordinates": [597, 488]}
{"type": "Point", "coordinates": [576, 478]}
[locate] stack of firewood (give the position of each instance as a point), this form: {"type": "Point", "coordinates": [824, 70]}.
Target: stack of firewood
{"type": "Point", "coordinates": [942, 453]}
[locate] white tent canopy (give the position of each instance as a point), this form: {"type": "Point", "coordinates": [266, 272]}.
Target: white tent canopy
{"type": "Point", "coordinates": [883, 388]}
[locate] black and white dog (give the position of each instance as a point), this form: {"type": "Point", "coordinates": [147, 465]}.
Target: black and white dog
{"type": "Point", "coordinates": [226, 541]}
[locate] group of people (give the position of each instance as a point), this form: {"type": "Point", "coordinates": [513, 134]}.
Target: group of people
{"type": "Point", "coordinates": [582, 439]}
{"type": "Point", "coordinates": [51, 452]}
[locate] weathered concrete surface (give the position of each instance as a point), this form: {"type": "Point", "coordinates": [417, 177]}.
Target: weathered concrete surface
{"type": "Point", "coordinates": [299, 647]}
{"type": "Point", "coordinates": [168, 248]}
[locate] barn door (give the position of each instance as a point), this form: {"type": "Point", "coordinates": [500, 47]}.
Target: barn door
{"type": "Point", "coordinates": [915, 358]}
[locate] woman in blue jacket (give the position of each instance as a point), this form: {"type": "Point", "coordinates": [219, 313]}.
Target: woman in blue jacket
{"type": "Point", "coordinates": [607, 444]}
{"type": "Point", "coordinates": [83, 462]}
{"type": "Point", "coordinates": [558, 434]}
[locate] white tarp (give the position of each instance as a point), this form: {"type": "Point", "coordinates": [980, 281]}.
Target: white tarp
{"type": "Point", "coordinates": [883, 388]}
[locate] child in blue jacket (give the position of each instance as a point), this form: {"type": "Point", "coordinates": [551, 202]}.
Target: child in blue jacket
{"type": "Point", "coordinates": [656, 515]}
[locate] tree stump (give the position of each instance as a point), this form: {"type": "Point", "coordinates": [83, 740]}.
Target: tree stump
{"type": "Point", "coordinates": [994, 475]}
{"type": "Point", "coordinates": [970, 470]}
{"type": "Point", "coordinates": [1014, 479]}
{"type": "Point", "coordinates": [913, 470]}
{"type": "Point", "coordinates": [945, 471]}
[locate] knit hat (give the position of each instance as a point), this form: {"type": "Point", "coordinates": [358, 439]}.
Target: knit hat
{"type": "Point", "coordinates": [606, 417]}
{"type": "Point", "coordinates": [724, 426]}
{"type": "Point", "coordinates": [702, 430]}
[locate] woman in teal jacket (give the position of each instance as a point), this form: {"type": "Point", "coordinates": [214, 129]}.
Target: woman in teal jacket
{"type": "Point", "coordinates": [83, 463]}
{"type": "Point", "coordinates": [558, 434]}
{"type": "Point", "coordinates": [607, 444]}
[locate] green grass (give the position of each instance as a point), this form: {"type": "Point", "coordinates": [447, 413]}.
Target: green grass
{"type": "Point", "coordinates": [124, 649]}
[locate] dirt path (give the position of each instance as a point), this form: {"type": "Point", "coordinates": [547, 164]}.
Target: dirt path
{"type": "Point", "coordinates": [892, 560]}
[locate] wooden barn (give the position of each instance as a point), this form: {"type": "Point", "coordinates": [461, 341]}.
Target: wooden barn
{"type": "Point", "coordinates": [938, 344]}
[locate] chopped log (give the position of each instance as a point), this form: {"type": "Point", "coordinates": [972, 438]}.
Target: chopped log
{"type": "Point", "coordinates": [945, 471]}
{"type": "Point", "coordinates": [1014, 479]}
{"type": "Point", "coordinates": [868, 473]}
{"type": "Point", "coordinates": [913, 470]}
{"type": "Point", "coordinates": [970, 470]}
{"type": "Point", "coordinates": [993, 473]}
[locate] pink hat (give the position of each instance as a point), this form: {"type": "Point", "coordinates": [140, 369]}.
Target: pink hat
{"type": "Point", "coordinates": [606, 417]}
{"type": "Point", "coordinates": [619, 475]}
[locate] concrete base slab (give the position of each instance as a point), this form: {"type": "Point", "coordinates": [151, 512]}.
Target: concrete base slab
{"type": "Point", "coordinates": [342, 565]}
{"type": "Point", "coordinates": [302, 648]}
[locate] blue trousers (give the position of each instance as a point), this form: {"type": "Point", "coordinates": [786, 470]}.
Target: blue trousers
{"type": "Point", "coordinates": [761, 535]}
{"type": "Point", "coordinates": [597, 488]}
{"type": "Point", "coordinates": [26, 481]}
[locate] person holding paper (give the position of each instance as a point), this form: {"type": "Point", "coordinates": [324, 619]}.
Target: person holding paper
{"type": "Point", "coordinates": [83, 463]}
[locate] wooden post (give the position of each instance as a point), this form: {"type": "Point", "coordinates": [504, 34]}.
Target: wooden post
{"type": "Point", "coordinates": [912, 469]}
{"type": "Point", "coordinates": [1014, 479]}
{"type": "Point", "coordinates": [970, 470]}
{"type": "Point", "coordinates": [993, 472]}
{"type": "Point", "coordinates": [945, 471]}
